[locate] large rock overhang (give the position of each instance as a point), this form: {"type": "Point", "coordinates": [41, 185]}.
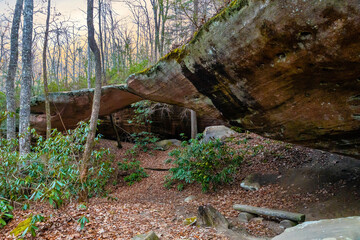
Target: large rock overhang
{"type": "Point", "coordinates": [287, 70]}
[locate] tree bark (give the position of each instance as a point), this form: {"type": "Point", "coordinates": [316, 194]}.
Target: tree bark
{"type": "Point", "coordinates": [46, 89]}
{"type": "Point", "coordinates": [89, 67]}
{"type": "Point", "coordinates": [297, 217]}
{"type": "Point", "coordinates": [96, 101]}
{"type": "Point", "coordinates": [25, 93]}
{"type": "Point", "coordinates": [101, 42]}
{"type": "Point", "coordinates": [116, 131]}
{"type": "Point", "coordinates": [10, 79]}
{"type": "Point", "coordinates": [194, 130]}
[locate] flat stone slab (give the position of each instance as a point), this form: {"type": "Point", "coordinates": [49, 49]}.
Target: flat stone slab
{"type": "Point", "coordinates": [339, 229]}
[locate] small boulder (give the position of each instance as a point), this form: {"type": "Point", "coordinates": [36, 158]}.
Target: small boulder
{"type": "Point", "coordinates": [217, 132]}
{"type": "Point", "coordinates": [287, 223]}
{"type": "Point", "coordinates": [166, 144]}
{"type": "Point", "coordinates": [258, 220]}
{"type": "Point", "coordinates": [250, 184]}
{"type": "Point", "coordinates": [208, 216]}
{"type": "Point", "coordinates": [148, 236]}
{"type": "Point", "coordinates": [245, 217]}
{"type": "Point", "coordinates": [190, 198]}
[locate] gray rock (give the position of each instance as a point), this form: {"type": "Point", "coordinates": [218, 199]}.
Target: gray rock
{"type": "Point", "coordinates": [250, 184]}
{"type": "Point", "coordinates": [217, 132]}
{"type": "Point", "coordinates": [287, 223]}
{"type": "Point", "coordinates": [190, 198]}
{"type": "Point", "coordinates": [208, 216]}
{"type": "Point", "coordinates": [166, 144]}
{"type": "Point", "coordinates": [340, 228]}
{"type": "Point", "coordinates": [257, 220]}
{"type": "Point", "coordinates": [245, 217]}
{"type": "Point", "coordinates": [148, 236]}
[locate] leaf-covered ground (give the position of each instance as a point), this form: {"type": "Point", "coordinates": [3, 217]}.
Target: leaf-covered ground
{"type": "Point", "coordinates": [292, 178]}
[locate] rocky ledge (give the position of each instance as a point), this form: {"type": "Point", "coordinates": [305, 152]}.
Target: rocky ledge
{"type": "Point", "coordinates": [287, 70]}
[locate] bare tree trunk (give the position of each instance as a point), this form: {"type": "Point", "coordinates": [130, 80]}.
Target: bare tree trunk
{"type": "Point", "coordinates": [67, 61]}
{"type": "Point", "coordinates": [89, 67]}
{"type": "Point", "coordinates": [96, 101]}
{"type": "Point", "coordinates": [10, 79]}
{"type": "Point", "coordinates": [193, 113]}
{"type": "Point", "coordinates": [101, 43]}
{"type": "Point", "coordinates": [25, 93]}
{"type": "Point", "coordinates": [46, 89]}
{"type": "Point", "coordinates": [116, 131]}
{"type": "Point", "coordinates": [196, 15]}
{"type": "Point", "coordinates": [194, 129]}
{"type": "Point", "coordinates": [59, 57]}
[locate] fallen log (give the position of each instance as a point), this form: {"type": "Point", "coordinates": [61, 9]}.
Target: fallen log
{"type": "Point", "coordinates": [297, 217]}
{"type": "Point", "coordinates": [158, 169]}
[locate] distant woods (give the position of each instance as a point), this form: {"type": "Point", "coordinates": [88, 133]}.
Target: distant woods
{"type": "Point", "coordinates": [42, 50]}
{"type": "Point", "coordinates": [127, 45]}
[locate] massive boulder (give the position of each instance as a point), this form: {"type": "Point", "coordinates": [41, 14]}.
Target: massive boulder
{"type": "Point", "coordinates": [288, 70]}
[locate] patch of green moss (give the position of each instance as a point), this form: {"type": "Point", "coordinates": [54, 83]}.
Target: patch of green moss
{"type": "Point", "coordinates": [178, 54]}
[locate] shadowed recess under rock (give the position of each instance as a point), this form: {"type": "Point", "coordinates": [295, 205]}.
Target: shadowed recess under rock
{"type": "Point", "coordinates": [287, 70]}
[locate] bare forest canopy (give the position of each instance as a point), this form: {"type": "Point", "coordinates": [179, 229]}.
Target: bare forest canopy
{"type": "Point", "coordinates": [132, 34]}
{"type": "Point", "coordinates": [286, 70]}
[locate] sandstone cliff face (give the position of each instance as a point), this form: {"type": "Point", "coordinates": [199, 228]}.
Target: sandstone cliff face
{"type": "Point", "coordinates": [69, 108]}
{"type": "Point", "coordinates": [288, 70]}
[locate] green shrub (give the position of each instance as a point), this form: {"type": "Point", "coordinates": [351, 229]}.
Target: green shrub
{"type": "Point", "coordinates": [210, 164]}
{"type": "Point", "coordinates": [135, 173]}
{"type": "Point", "coordinates": [51, 171]}
{"type": "Point", "coordinates": [5, 212]}
{"type": "Point", "coordinates": [144, 141]}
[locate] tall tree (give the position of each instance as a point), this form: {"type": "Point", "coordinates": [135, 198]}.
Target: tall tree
{"type": "Point", "coordinates": [10, 79]}
{"type": "Point", "coordinates": [96, 100]}
{"type": "Point", "coordinates": [46, 89]}
{"type": "Point", "coordinates": [194, 129]}
{"type": "Point", "coordinates": [25, 93]}
{"type": "Point", "coordinates": [101, 41]}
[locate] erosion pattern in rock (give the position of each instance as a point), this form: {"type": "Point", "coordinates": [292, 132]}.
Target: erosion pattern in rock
{"type": "Point", "coordinates": [288, 70]}
{"type": "Point", "coordinates": [68, 108]}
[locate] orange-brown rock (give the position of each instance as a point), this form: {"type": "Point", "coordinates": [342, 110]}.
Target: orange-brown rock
{"type": "Point", "coordinates": [288, 70]}
{"type": "Point", "coordinates": [69, 108]}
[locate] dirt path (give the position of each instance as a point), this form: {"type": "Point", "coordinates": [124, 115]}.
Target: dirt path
{"type": "Point", "coordinates": [292, 178]}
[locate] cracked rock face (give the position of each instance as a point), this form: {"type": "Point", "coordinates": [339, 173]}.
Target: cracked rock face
{"type": "Point", "coordinates": [288, 70]}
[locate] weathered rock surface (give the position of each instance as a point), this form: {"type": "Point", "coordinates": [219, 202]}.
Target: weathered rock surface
{"type": "Point", "coordinates": [340, 228]}
{"type": "Point", "coordinates": [287, 223]}
{"type": "Point", "coordinates": [68, 108]}
{"type": "Point", "coordinates": [217, 132]}
{"type": "Point", "coordinates": [249, 184]}
{"type": "Point", "coordinates": [148, 236]}
{"type": "Point", "coordinates": [245, 217]}
{"type": "Point", "coordinates": [167, 143]}
{"type": "Point", "coordinates": [288, 70]}
{"type": "Point", "coordinates": [208, 216]}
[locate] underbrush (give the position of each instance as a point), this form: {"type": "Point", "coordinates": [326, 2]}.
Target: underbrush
{"type": "Point", "coordinates": [51, 171]}
{"type": "Point", "coordinates": [210, 164]}
{"type": "Point", "coordinates": [143, 142]}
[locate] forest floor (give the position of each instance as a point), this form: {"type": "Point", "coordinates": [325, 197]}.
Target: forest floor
{"type": "Point", "coordinates": [293, 178]}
